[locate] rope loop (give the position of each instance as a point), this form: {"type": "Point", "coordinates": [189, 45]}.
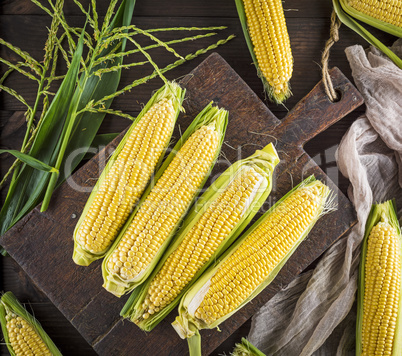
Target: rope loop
{"type": "Point", "coordinates": [334, 37]}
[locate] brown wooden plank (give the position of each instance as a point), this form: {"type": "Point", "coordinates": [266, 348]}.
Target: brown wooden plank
{"type": "Point", "coordinates": [193, 8]}
{"type": "Point", "coordinates": [315, 113]}
{"type": "Point", "coordinates": [42, 242]}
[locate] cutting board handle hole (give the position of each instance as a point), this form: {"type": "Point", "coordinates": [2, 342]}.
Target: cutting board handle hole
{"type": "Point", "coordinates": [339, 95]}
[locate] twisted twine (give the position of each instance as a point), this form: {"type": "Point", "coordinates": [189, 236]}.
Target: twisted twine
{"type": "Point", "coordinates": [334, 37]}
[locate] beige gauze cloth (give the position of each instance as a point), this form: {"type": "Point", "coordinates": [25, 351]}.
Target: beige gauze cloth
{"type": "Point", "coordinates": [316, 314]}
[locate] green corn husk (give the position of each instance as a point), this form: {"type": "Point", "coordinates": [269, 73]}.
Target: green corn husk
{"type": "Point", "coordinates": [264, 162]}
{"type": "Point", "coordinates": [385, 212]}
{"type": "Point", "coordinates": [81, 256]}
{"type": "Point", "coordinates": [187, 325]}
{"type": "Point", "coordinates": [246, 348]}
{"type": "Point", "coordinates": [210, 115]}
{"type": "Point", "coordinates": [381, 25]}
{"type": "Point", "coordinates": [277, 98]}
{"type": "Point", "coordinates": [10, 305]}
{"type": "Point", "coordinates": [360, 30]}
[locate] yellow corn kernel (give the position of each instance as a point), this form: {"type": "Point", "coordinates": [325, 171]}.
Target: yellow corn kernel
{"type": "Point", "coordinates": [202, 241]}
{"type": "Point", "coordinates": [382, 283]}
{"type": "Point", "coordinates": [389, 11]}
{"type": "Point", "coordinates": [126, 180]}
{"type": "Point", "coordinates": [23, 338]}
{"type": "Point", "coordinates": [260, 253]}
{"type": "Point", "coordinates": [267, 27]}
{"type": "Point", "coordinates": [165, 205]}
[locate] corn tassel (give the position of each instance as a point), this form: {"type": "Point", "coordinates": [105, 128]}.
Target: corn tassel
{"type": "Point", "coordinates": [264, 27]}
{"type": "Point", "coordinates": [22, 333]}
{"type": "Point", "coordinates": [382, 14]}
{"type": "Point", "coordinates": [152, 225]}
{"type": "Point", "coordinates": [252, 262]}
{"type": "Point", "coordinates": [126, 175]}
{"type": "Point", "coordinates": [379, 329]}
{"type": "Point", "coordinates": [219, 216]}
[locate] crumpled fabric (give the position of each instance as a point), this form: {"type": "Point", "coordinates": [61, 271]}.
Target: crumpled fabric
{"type": "Point", "coordinates": [316, 313]}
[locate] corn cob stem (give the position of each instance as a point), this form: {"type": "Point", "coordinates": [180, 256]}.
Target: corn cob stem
{"type": "Point", "coordinates": [153, 224]}
{"type": "Point", "coordinates": [221, 213]}
{"type": "Point", "coordinates": [126, 175]}
{"type": "Point", "coordinates": [246, 348]}
{"type": "Point", "coordinates": [380, 300]}
{"type": "Point", "coordinates": [22, 333]}
{"type": "Point", "coordinates": [254, 261]}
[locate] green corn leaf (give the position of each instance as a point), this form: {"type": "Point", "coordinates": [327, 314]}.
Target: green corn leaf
{"type": "Point", "coordinates": [359, 29]}
{"type": "Point", "coordinates": [30, 161]}
{"type": "Point", "coordinates": [26, 191]}
{"type": "Point", "coordinates": [94, 88]}
{"type": "Point", "coordinates": [104, 139]}
{"type": "Point", "coordinates": [99, 141]}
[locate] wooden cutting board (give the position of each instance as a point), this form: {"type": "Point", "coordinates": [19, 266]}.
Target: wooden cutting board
{"type": "Point", "coordinates": [42, 243]}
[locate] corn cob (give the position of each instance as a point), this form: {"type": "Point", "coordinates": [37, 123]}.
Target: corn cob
{"type": "Point", "coordinates": [385, 15]}
{"type": "Point", "coordinates": [22, 333]}
{"type": "Point", "coordinates": [348, 15]}
{"type": "Point", "coordinates": [220, 215]}
{"type": "Point", "coordinates": [246, 348]}
{"type": "Point", "coordinates": [126, 175]}
{"type": "Point", "coordinates": [265, 30]}
{"type": "Point", "coordinates": [148, 232]}
{"type": "Point", "coordinates": [379, 300]}
{"type": "Point", "coordinates": [252, 262]}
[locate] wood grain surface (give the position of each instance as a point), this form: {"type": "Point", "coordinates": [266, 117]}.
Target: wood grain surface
{"type": "Point", "coordinates": [42, 243]}
{"type": "Point", "coordinates": [25, 25]}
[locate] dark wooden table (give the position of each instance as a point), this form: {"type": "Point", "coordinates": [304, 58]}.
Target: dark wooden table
{"type": "Point", "coordinates": [24, 25]}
